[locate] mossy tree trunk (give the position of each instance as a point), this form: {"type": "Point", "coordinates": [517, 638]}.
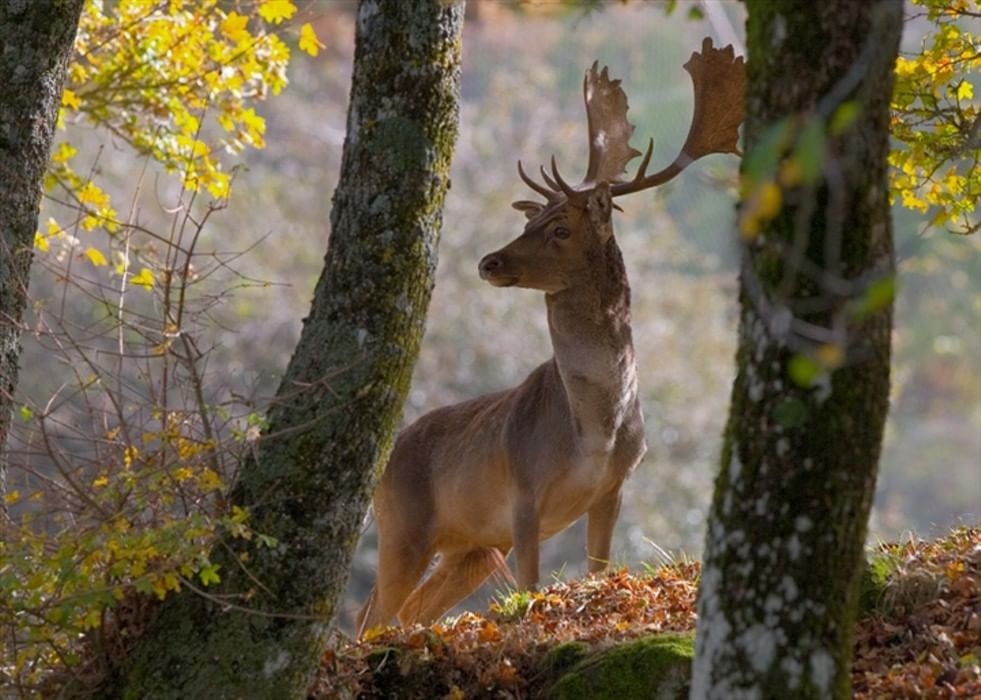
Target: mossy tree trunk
{"type": "Point", "coordinates": [788, 520]}
{"type": "Point", "coordinates": [331, 426]}
{"type": "Point", "coordinates": [36, 38]}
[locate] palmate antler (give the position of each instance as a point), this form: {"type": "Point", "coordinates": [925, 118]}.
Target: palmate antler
{"type": "Point", "coordinates": [718, 78]}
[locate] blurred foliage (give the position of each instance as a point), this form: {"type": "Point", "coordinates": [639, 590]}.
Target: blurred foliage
{"type": "Point", "coordinates": [123, 466]}
{"type": "Point", "coordinates": [160, 76]}
{"type": "Point", "coordinates": [936, 119]}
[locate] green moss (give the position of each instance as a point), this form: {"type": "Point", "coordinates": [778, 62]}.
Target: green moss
{"type": "Point", "coordinates": [653, 667]}
{"type": "Point", "coordinates": [558, 662]}
{"type": "Point", "coordinates": [875, 576]}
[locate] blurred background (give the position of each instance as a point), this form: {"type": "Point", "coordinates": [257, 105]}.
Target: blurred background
{"type": "Point", "coordinates": [521, 98]}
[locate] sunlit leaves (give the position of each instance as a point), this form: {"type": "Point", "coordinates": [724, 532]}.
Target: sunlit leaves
{"type": "Point", "coordinates": [144, 279]}
{"type": "Point", "coordinates": [92, 194]}
{"type": "Point", "coordinates": [70, 99]}
{"type": "Point", "coordinates": [177, 80]}
{"type": "Point", "coordinates": [234, 27]}
{"type": "Point", "coordinates": [309, 41]}
{"type": "Point", "coordinates": [96, 257]}
{"type": "Point", "coordinates": [936, 165]}
{"type": "Point", "coordinates": [181, 83]}
{"type": "Point", "coordinates": [59, 573]}
{"type": "Point", "coordinates": [276, 10]}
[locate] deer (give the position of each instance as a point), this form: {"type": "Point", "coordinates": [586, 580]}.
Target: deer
{"type": "Point", "coordinates": [507, 470]}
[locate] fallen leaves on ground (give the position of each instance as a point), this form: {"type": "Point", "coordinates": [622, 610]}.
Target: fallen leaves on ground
{"type": "Point", "coordinates": [921, 640]}
{"type": "Point", "coordinates": [924, 638]}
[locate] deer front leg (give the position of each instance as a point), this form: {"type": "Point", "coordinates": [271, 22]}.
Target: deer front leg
{"type": "Point", "coordinates": [599, 530]}
{"type": "Point", "coordinates": [524, 532]}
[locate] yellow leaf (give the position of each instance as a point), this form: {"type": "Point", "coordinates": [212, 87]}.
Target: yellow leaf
{"type": "Point", "coordinates": [209, 480]}
{"type": "Point", "coordinates": [373, 633]}
{"type": "Point", "coordinates": [144, 279]}
{"type": "Point", "coordinates": [309, 41]}
{"type": "Point", "coordinates": [11, 497]}
{"type": "Point", "coordinates": [940, 218]}
{"type": "Point", "coordinates": [63, 152]}
{"type": "Point", "coordinates": [253, 121]}
{"type": "Point", "coordinates": [40, 242]}
{"type": "Point", "coordinates": [101, 481]}
{"type": "Point", "coordinates": [830, 356]}
{"type": "Point", "coordinates": [769, 202]}
{"type": "Point", "coordinates": [70, 99]}
{"type": "Point", "coordinates": [93, 194]}
{"type": "Point", "coordinates": [965, 90]}
{"type": "Point", "coordinates": [96, 257]}
{"type": "Point", "coordinates": [233, 26]}
{"type": "Point", "coordinates": [276, 11]}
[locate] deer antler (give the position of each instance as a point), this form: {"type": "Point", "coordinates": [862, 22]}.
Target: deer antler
{"type": "Point", "coordinates": [609, 130]}
{"type": "Point", "coordinates": [718, 77]}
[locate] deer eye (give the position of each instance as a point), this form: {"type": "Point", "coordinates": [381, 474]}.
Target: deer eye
{"type": "Point", "coordinates": [561, 232]}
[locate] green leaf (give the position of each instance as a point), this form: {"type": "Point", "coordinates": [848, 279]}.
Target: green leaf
{"type": "Point", "coordinates": [266, 540]}
{"type": "Point", "coordinates": [790, 413]}
{"type": "Point", "coordinates": [209, 574]}
{"type": "Point", "coordinates": [26, 413]}
{"type": "Point", "coordinates": [761, 161]}
{"type": "Point", "coordinates": [809, 152]}
{"type": "Point", "coordinates": [803, 370]}
{"type": "Point", "coordinates": [844, 117]}
{"type": "Point", "coordinates": [878, 295]}
{"type": "Point", "coordinates": [695, 12]}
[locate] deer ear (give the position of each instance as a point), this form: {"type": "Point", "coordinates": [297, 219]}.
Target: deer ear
{"type": "Point", "coordinates": [599, 206]}
{"type": "Point", "coordinates": [531, 209]}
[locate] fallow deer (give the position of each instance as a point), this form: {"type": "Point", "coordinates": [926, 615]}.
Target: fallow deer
{"type": "Point", "coordinates": [507, 470]}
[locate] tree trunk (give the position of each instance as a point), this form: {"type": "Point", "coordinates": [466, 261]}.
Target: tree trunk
{"type": "Point", "coordinates": [787, 525]}
{"type": "Point", "coordinates": [331, 426]}
{"type": "Point", "coordinates": [36, 38]}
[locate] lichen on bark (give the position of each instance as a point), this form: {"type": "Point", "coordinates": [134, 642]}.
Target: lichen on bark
{"type": "Point", "coordinates": [36, 38]}
{"type": "Point", "coordinates": [331, 425]}
{"type": "Point", "coordinates": [787, 525]}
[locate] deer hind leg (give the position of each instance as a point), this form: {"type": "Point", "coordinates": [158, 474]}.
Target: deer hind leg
{"type": "Point", "coordinates": [400, 566]}
{"type": "Point", "coordinates": [456, 576]}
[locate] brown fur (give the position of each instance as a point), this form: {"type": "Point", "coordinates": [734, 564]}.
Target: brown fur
{"type": "Point", "coordinates": [472, 480]}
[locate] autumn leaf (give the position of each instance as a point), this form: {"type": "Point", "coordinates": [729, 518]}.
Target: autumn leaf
{"type": "Point", "coordinates": [276, 11]}
{"type": "Point", "coordinates": [144, 279]}
{"type": "Point", "coordinates": [233, 26]}
{"type": "Point", "coordinates": [70, 99]}
{"type": "Point", "coordinates": [93, 194]}
{"type": "Point", "coordinates": [309, 41]}
{"type": "Point", "coordinates": [96, 257]}
{"type": "Point", "coordinates": [64, 152]}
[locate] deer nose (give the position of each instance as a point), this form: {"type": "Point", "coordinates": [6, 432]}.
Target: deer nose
{"type": "Point", "coordinates": [489, 265]}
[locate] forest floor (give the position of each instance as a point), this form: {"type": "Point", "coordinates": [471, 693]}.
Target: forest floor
{"type": "Point", "coordinates": [919, 634]}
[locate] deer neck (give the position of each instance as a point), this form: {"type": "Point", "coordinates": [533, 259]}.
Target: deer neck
{"type": "Point", "coordinates": [590, 329]}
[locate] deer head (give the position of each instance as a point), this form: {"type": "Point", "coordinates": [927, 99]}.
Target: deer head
{"type": "Point", "coordinates": [566, 234]}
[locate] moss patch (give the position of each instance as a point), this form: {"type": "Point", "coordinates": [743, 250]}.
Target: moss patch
{"type": "Point", "coordinates": [878, 569]}
{"type": "Point", "coordinates": [652, 667]}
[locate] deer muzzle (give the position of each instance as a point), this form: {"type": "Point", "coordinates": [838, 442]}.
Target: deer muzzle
{"type": "Point", "coordinates": [492, 269]}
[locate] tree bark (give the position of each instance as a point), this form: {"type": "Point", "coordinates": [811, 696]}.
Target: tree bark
{"type": "Point", "coordinates": [787, 525]}
{"type": "Point", "coordinates": [36, 38]}
{"type": "Point", "coordinates": [331, 426]}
